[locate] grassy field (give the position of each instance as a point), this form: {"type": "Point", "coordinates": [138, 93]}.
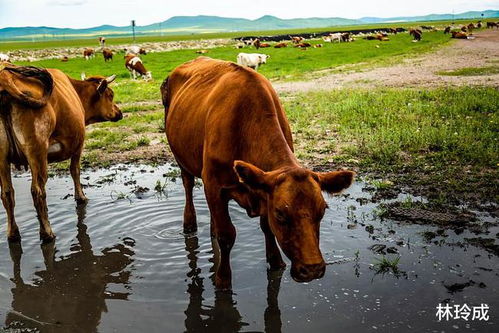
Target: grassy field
{"type": "Point", "coordinates": [284, 64]}
{"type": "Point", "coordinates": [92, 42]}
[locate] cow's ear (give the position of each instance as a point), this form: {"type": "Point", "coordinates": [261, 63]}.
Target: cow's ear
{"type": "Point", "coordinates": [102, 86]}
{"type": "Point", "coordinates": [250, 175]}
{"type": "Point", "coordinates": [336, 181]}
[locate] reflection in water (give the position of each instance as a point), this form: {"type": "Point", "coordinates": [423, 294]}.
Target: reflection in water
{"type": "Point", "coordinates": [224, 316]}
{"type": "Point", "coordinates": [70, 294]}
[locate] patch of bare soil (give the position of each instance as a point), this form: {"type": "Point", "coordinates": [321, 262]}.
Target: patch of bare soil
{"type": "Point", "coordinates": [418, 72]}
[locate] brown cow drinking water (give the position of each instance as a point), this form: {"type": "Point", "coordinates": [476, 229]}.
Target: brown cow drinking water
{"type": "Point", "coordinates": [225, 124]}
{"type": "Point", "coordinates": [43, 114]}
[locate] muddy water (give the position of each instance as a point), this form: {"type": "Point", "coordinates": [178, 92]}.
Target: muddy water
{"type": "Point", "coordinates": [122, 264]}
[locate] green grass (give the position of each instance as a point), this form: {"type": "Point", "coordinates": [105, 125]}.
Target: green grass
{"type": "Point", "coordinates": [393, 127]}
{"type": "Point", "coordinates": [384, 265]}
{"type": "Point", "coordinates": [472, 71]}
{"type": "Point", "coordinates": [288, 63]}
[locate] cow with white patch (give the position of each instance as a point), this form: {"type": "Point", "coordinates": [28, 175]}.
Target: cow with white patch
{"type": "Point", "coordinates": [335, 37]}
{"type": "Point", "coordinates": [134, 64]}
{"type": "Point", "coordinates": [136, 50]}
{"type": "Point", "coordinates": [252, 60]}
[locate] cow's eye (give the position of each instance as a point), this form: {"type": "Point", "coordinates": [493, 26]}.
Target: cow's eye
{"type": "Point", "coordinates": [280, 216]}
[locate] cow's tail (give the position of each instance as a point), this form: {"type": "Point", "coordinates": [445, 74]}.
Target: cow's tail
{"type": "Point", "coordinates": [25, 97]}
{"type": "Point", "coordinates": [165, 96]}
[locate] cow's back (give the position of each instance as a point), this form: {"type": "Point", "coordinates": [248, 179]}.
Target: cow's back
{"type": "Point", "coordinates": [212, 108]}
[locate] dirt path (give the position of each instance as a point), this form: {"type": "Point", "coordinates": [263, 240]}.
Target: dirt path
{"type": "Point", "coordinates": [482, 51]}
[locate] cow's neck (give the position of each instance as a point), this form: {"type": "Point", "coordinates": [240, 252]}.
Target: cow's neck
{"type": "Point", "coordinates": [270, 150]}
{"type": "Point", "coordinates": [82, 90]}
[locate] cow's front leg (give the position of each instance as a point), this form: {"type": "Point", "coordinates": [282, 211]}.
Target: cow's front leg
{"type": "Point", "coordinates": [75, 174]}
{"type": "Point", "coordinates": [38, 163]}
{"type": "Point", "coordinates": [274, 258]}
{"type": "Point", "coordinates": [224, 231]}
{"type": "Point", "coordinates": [8, 200]}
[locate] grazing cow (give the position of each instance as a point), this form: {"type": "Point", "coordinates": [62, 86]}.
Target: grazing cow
{"type": "Point", "coordinates": [107, 53]}
{"type": "Point", "coordinates": [88, 53]}
{"type": "Point", "coordinates": [416, 34]}
{"type": "Point", "coordinates": [256, 43]}
{"type": "Point", "coordinates": [335, 36]}
{"type": "Point", "coordinates": [136, 67]}
{"type": "Point", "coordinates": [136, 50]}
{"type": "Point", "coordinates": [303, 45]}
{"type": "Point", "coordinates": [252, 60]}
{"type": "Point", "coordinates": [346, 37]}
{"type": "Point", "coordinates": [102, 42]}
{"type": "Point", "coordinates": [459, 35]}
{"type": "Point", "coordinates": [447, 30]}
{"type": "Point", "coordinates": [264, 45]}
{"type": "Point", "coordinates": [4, 57]}
{"type": "Point", "coordinates": [43, 114]}
{"type": "Point", "coordinates": [281, 45]}
{"type": "Point", "coordinates": [471, 27]}
{"type": "Point", "coordinates": [491, 25]}
{"type": "Point", "coordinates": [296, 39]}
{"type": "Point", "coordinates": [242, 149]}
{"type": "Point", "coordinates": [202, 51]}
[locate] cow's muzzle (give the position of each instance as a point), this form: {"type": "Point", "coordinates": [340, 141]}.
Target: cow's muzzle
{"type": "Point", "coordinates": [306, 273]}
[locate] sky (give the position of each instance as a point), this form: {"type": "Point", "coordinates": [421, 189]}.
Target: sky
{"type": "Point", "coordinates": [90, 13]}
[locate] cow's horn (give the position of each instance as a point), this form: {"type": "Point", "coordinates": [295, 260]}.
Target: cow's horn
{"type": "Point", "coordinates": [111, 78]}
{"type": "Point", "coordinates": [83, 77]}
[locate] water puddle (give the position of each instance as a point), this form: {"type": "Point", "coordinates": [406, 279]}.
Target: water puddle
{"type": "Point", "coordinates": [122, 264]}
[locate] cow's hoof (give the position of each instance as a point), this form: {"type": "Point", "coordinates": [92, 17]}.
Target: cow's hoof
{"type": "Point", "coordinates": [222, 284]}
{"type": "Point", "coordinates": [47, 238]}
{"type": "Point", "coordinates": [15, 237]}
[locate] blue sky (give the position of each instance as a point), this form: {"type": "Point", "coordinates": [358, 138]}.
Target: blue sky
{"type": "Point", "coordinates": [89, 13]}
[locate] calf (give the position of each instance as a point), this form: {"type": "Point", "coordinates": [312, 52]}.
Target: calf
{"type": "Point", "coordinates": [88, 53]}
{"type": "Point", "coordinates": [43, 114]}
{"type": "Point", "coordinates": [136, 68]}
{"type": "Point", "coordinates": [280, 45]}
{"type": "Point", "coordinates": [416, 34]}
{"type": "Point", "coordinates": [226, 125]}
{"type": "Point", "coordinates": [107, 53]}
{"type": "Point", "coordinates": [252, 60]}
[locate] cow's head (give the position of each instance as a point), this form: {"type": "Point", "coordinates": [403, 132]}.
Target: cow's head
{"type": "Point", "coordinates": [147, 76]}
{"type": "Point", "coordinates": [295, 207]}
{"type": "Point", "coordinates": [97, 98]}
{"type": "Point", "coordinates": [263, 58]}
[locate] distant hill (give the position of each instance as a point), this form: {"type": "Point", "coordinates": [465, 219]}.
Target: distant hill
{"type": "Point", "coordinates": [203, 24]}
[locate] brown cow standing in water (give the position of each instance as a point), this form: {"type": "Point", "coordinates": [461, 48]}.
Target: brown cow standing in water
{"type": "Point", "coordinates": [43, 114]}
{"type": "Point", "coordinates": [225, 124]}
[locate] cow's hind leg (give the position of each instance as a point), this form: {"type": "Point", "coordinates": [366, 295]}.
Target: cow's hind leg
{"type": "Point", "coordinates": [190, 224]}
{"type": "Point", "coordinates": [274, 258]}
{"type": "Point", "coordinates": [38, 163]}
{"type": "Point", "coordinates": [8, 200]}
{"type": "Point", "coordinates": [224, 231]}
{"type": "Point", "coordinates": [75, 174]}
